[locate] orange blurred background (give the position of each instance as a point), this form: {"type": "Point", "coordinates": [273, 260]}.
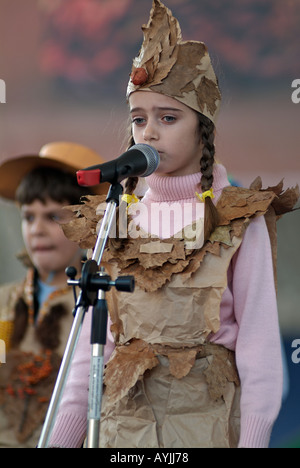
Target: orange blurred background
{"type": "Point", "coordinates": [66, 75]}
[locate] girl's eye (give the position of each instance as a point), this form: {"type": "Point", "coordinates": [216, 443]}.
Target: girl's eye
{"type": "Point", "coordinates": [169, 118]}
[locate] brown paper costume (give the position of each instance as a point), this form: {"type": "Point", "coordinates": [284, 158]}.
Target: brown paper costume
{"type": "Point", "coordinates": [152, 361]}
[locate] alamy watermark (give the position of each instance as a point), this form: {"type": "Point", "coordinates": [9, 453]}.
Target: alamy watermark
{"type": "Point", "coordinates": [2, 352]}
{"type": "Point", "coordinates": [296, 94]}
{"type": "Point", "coordinates": [159, 220]}
{"type": "Point", "coordinates": [2, 92]}
{"type": "Point", "coordinates": [296, 353]}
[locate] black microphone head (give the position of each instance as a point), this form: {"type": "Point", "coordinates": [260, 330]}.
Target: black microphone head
{"type": "Point", "coordinates": [151, 156]}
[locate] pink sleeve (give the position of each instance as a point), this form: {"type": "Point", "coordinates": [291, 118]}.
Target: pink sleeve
{"type": "Point", "coordinates": [258, 348]}
{"type": "Point", "coordinates": [71, 423]}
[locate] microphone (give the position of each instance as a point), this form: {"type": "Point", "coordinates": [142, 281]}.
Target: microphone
{"type": "Point", "coordinates": [139, 161]}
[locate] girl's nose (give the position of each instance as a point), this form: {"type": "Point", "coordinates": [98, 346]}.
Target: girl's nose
{"type": "Point", "coordinates": [150, 132]}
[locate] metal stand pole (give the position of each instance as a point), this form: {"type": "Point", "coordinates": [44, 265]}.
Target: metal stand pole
{"type": "Point", "coordinates": [84, 301]}
{"type": "Point", "coordinates": [98, 340]}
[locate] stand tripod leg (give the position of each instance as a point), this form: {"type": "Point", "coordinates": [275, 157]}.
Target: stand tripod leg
{"type": "Point", "coordinates": [95, 392]}
{"type": "Point", "coordinates": [98, 341]}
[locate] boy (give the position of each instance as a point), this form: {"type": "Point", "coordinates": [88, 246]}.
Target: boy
{"type": "Point", "coordinates": [36, 313]}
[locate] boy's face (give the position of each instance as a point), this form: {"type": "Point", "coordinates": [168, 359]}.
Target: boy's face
{"type": "Point", "coordinates": [50, 251]}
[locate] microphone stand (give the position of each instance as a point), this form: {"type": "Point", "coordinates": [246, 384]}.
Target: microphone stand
{"type": "Point", "coordinates": [93, 286]}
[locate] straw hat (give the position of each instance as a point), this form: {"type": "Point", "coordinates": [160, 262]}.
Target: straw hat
{"type": "Point", "coordinates": [66, 156]}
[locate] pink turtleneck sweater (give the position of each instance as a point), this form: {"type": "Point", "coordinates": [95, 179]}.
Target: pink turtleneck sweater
{"type": "Point", "coordinates": [249, 325]}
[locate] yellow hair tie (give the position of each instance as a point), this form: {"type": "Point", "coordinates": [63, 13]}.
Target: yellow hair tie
{"type": "Point", "coordinates": [130, 199]}
{"type": "Point", "coordinates": [207, 194]}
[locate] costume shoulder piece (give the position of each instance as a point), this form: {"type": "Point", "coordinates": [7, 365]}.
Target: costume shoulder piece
{"type": "Point", "coordinates": [9, 294]}
{"type": "Point", "coordinates": [153, 261]}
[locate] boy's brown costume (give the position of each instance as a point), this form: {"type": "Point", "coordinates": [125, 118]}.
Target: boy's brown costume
{"type": "Point", "coordinates": [33, 358]}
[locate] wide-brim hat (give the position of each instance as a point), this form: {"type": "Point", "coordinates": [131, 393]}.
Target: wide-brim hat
{"type": "Point", "coordinates": [66, 156]}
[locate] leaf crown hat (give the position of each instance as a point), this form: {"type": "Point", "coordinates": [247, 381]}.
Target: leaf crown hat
{"type": "Point", "coordinates": [176, 68]}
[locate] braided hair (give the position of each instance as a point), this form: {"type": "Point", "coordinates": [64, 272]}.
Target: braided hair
{"type": "Point", "coordinates": [207, 161]}
{"type": "Point", "coordinates": [207, 135]}
{"type": "Point", "coordinates": [131, 182]}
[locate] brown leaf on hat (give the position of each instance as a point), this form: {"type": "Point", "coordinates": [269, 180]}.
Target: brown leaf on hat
{"type": "Point", "coordinates": [184, 71]}
{"type": "Point", "coordinates": [127, 365]}
{"type": "Point", "coordinates": [208, 95]}
{"type": "Point", "coordinates": [159, 49]}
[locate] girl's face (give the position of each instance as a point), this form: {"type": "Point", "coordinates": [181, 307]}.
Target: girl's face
{"type": "Point", "coordinates": [171, 128]}
{"type": "Point", "coordinates": [50, 251]}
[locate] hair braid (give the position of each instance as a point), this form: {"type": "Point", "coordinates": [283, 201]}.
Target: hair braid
{"type": "Point", "coordinates": [208, 156]}
{"type": "Point", "coordinates": [131, 182]}
{"type": "Point", "coordinates": [129, 186]}
{"type": "Point", "coordinates": [211, 216]}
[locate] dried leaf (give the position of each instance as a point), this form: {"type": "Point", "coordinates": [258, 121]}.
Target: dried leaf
{"type": "Point", "coordinates": [222, 369]}
{"type": "Point", "coordinates": [185, 70]}
{"type": "Point", "coordinates": [155, 278]}
{"type": "Point", "coordinates": [181, 362]}
{"type": "Point", "coordinates": [81, 231]}
{"type": "Point", "coordinates": [256, 184]}
{"type": "Point", "coordinates": [277, 189]}
{"type": "Point", "coordinates": [285, 202]}
{"type": "Point", "coordinates": [156, 247]}
{"type": "Point", "coordinates": [222, 234]}
{"type": "Point", "coordinates": [208, 95]}
{"type": "Point", "coordinates": [127, 365]}
{"type": "Point", "coordinates": [158, 53]}
{"type": "Point", "coordinates": [237, 202]}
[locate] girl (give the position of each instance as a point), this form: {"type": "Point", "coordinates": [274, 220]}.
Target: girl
{"type": "Point", "coordinates": [197, 360]}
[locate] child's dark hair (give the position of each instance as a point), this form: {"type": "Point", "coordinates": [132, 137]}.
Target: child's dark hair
{"type": "Point", "coordinates": [207, 135]}
{"type": "Point", "coordinates": [43, 183]}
